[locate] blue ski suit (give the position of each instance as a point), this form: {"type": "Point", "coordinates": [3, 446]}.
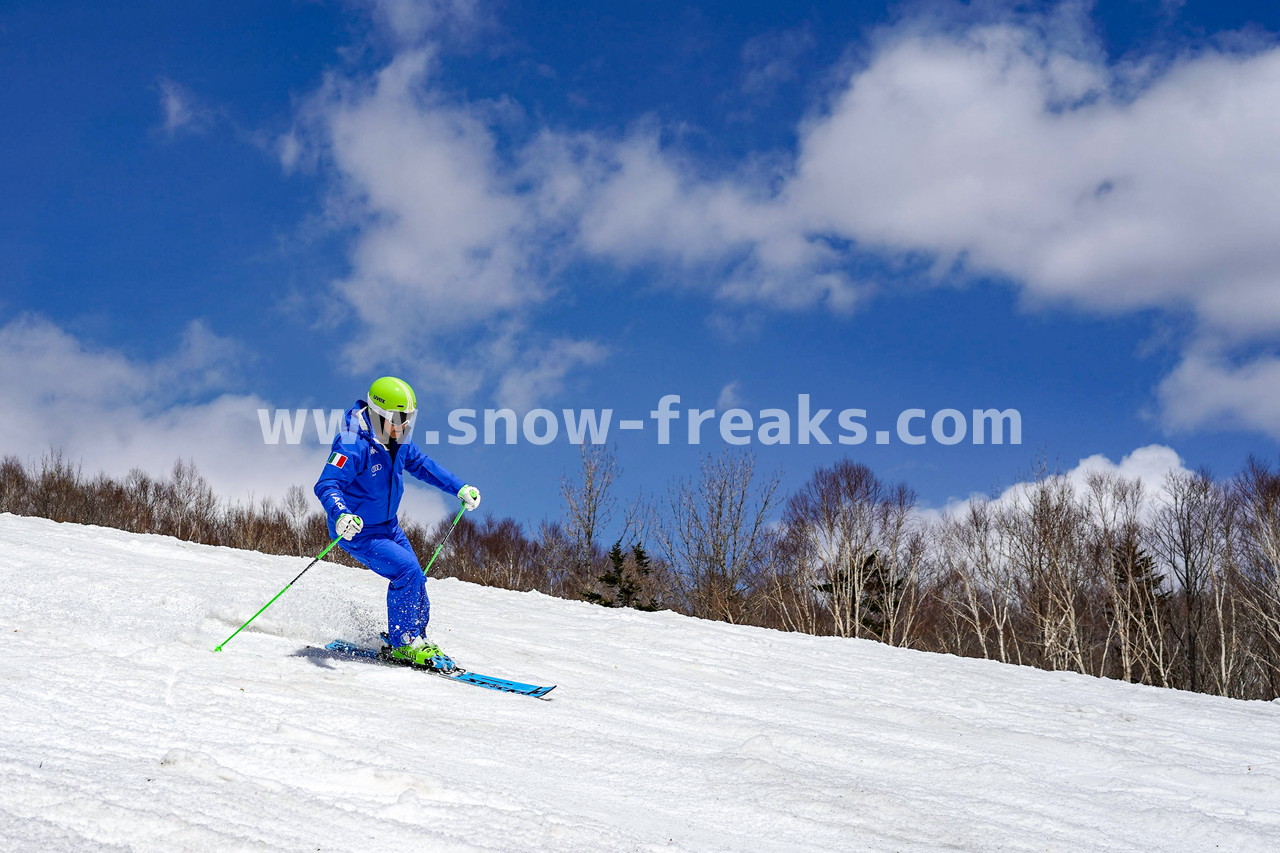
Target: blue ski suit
{"type": "Point", "coordinates": [366, 479]}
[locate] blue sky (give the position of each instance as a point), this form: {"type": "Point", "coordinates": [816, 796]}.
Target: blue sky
{"type": "Point", "coordinates": [1057, 208]}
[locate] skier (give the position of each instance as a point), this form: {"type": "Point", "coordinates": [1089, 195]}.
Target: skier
{"type": "Point", "coordinates": [360, 489]}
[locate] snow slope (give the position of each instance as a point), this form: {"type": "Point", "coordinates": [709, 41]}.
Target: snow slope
{"type": "Point", "coordinates": [665, 733]}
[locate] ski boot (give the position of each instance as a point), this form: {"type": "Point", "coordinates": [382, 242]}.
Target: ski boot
{"type": "Point", "coordinates": [422, 652]}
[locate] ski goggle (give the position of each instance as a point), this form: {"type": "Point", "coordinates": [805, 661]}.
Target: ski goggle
{"type": "Point", "coordinates": [398, 419]}
{"type": "Point", "coordinates": [393, 418]}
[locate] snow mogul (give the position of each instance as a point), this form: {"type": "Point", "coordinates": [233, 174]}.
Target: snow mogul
{"type": "Point", "coordinates": [360, 489]}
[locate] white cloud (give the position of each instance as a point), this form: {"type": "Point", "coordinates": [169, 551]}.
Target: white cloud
{"type": "Point", "coordinates": [731, 235]}
{"type": "Point", "coordinates": [1017, 154]}
{"type": "Point", "coordinates": [443, 235]}
{"type": "Point", "coordinates": [539, 375]}
{"type": "Point", "coordinates": [1149, 465]}
{"type": "Point", "coordinates": [110, 413]}
{"type": "Point", "coordinates": [290, 151]}
{"type": "Point", "coordinates": [58, 371]}
{"type": "Point", "coordinates": [450, 253]}
{"type": "Point", "coordinates": [1008, 147]}
{"type": "Point", "coordinates": [1011, 149]}
{"type": "Point", "coordinates": [730, 396]}
{"type": "Point", "coordinates": [456, 244]}
{"type": "Point", "coordinates": [410, 22]}
{"type": "Point", "coordinates": [182, 110]}
{"type": "Point", "coordinates": [1001, 148]}
{"type": "Point", "coordinates": [1206, 390]}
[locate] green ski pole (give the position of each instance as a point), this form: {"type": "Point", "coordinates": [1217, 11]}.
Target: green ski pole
{"type": "Point", "coordinates": [318, 558]}
{"type": "Point", "coordinates": [461, 509]}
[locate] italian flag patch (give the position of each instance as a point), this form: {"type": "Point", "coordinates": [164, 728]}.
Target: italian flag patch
{"type": "Point", "coordinates": [337, 459]}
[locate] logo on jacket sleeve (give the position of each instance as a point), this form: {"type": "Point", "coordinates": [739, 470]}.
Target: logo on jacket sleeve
{"type": "Point", "coordinates": [337, 460]}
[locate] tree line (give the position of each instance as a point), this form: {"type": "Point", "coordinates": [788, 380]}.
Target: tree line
{"type": "Point", "coordinates": [1176, 586]}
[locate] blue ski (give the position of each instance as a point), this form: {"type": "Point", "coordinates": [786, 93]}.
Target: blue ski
{"type": "Point", "coordinates": [458, 674]}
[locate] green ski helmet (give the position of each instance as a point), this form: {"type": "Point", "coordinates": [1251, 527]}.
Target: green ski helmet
{"type": "Point", "coordinates": [393, 406]}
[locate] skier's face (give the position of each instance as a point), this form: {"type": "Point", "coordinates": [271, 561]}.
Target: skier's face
{"type": "Point", "coordinates": [396, 428]}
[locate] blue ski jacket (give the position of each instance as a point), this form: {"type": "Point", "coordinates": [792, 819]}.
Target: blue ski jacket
{"type": "Point", "coordinates": [364, 478]}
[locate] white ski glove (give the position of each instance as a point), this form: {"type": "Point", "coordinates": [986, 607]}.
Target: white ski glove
{"type": "Point", "coordinates": [470, 496]}
{"type": "Point", "coordinates": [348, 525]}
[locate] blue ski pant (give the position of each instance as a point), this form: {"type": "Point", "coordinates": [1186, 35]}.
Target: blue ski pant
{"type": "Point", "coordinates": [386, 550]}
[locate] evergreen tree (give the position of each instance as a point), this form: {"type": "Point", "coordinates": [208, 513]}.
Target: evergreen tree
{"type": "Point", "coordinates": [866, 583]}
{"type": "Point", "coordinates": [624, 581]}
{"type": "Point", "coordinates": [1143, 596]}
{"type": "Point", "coordinates": [1136, 575]}
{"type": "Point", "coordinates": [880, 592]}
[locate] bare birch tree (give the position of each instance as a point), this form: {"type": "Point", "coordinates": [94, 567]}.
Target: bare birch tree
{"type": "Point", "coordinates": [1043, 530]}
{"type": "Point", "coordinates": [855, 542]}
{"type": "Point", "coordinates": [1258, 493]}
{"type": "Point", "coordinates": [972, 556]}
{"type": "Point", "coordinates": [1188, 532]}
{"type": "Point", "coordinates": [714, 533]}
{"type": "Point", "coordinates": [589, 506]}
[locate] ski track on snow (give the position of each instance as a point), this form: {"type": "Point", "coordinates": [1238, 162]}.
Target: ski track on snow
{"type": "Point", "coordinates": [665, 733]}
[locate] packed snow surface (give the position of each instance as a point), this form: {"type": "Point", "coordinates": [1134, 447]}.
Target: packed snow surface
{"type": "Point", "coordinates": [121, 729]}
